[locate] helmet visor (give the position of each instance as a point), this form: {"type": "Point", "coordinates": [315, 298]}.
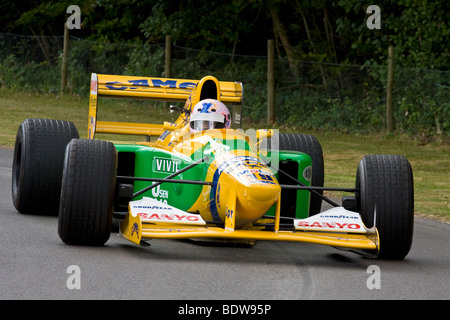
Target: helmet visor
{"type": "Point", "coordinates": [205, 121]}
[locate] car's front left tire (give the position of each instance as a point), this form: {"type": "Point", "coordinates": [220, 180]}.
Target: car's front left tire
{"type": "Point", "coordinates": [87, 195]}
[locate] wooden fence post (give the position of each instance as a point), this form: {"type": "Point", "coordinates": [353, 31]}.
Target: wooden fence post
{"type": "Point", "coordinates": [270, 81]}
{"type": "Point", "coordinates": [168, 57]}
{"type": "Point", "coordinates": [64, 59]}
{"type": "Point", "coordinates": [167, 63]}
{"type": "Point", "coordinates": [390, 125]}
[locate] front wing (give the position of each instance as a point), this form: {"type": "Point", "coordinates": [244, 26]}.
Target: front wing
{"type": "Point", "coordinates": [151, 219]}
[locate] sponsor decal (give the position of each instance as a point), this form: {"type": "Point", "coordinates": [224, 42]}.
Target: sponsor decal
{"type": "Point", "coordinates": [135, 229]}
{"type": "Point", "coordinates": [229, 214]}
{"type": "Point", "coordinates": [307, 173]}
{"type": "Point", "coordinates": [164, 135]}
{"type": "Point", "coordinates": [336, 219]}
{"type": "Point", "coordinates": [329, 224]}
{"type": "Point", "coordinates": [168, 217]}
{"type": "Point", "coordinates": [152, 210]}
{"type": "Point", "coordinates": [165, 165]}
{"type": "Point", "coordinates": [247, 166]}
{"type": "Point", "coordinates": [134, 84]}
{"type": "Point", "coordinates": [247, 170]}
{"type": "Point", "coordinates": [218, 196]}
{"type": "Point", "coordinates": [153, 207]}
{"type": "Point", "coordinates": [160, 194]}
{"type": "Point", "coordinates": [94, 84]}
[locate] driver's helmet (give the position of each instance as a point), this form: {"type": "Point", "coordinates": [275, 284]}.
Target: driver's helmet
{"type": "Point", "coordinates": [209, 114]}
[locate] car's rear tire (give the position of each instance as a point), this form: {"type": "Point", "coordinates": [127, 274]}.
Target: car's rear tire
{"type": "Point", "coordinates": [385, 182]}
{"type": "Point", "coordinates": [310, 145]}
{"type": "Point", "coordinates": [87, 195]}
{"type": "Point", "coordinates": [38, 164]}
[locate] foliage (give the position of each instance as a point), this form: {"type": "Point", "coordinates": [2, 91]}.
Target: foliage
{"type": "Point", "coordinates": [418, 29]}
{"type": "Point", "coordinates": [331, 68]}
{"type": "Point", "coordinates": [29, 77]}
{"type": "Point", "coordinates": [325, 31]}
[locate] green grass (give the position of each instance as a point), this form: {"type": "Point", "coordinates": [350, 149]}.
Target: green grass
{"type": "Point", "coordinates": [342, 152]}
{"type": "Point", "coordinates": [430, 164]}
{"type": "Point", "coordinates": [16, 106]}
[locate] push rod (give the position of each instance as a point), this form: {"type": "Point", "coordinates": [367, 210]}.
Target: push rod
{"type": "Point", "coordinates": [166, 180]}
{"type": "Point", "coordinates": [334, 204]}
{"type": "Point", "coordinates": [170, 177]}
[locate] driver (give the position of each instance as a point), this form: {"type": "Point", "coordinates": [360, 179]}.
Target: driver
{"type": "Point", "coordinates": [209, 114]}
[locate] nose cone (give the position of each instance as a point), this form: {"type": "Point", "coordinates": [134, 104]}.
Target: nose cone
{"type": "Point", "coordinates": [254, 200]}
{"type": "Point", "coordinates": [255, 186]}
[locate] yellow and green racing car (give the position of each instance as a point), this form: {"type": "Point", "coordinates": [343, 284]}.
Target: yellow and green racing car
{"type": "Point", "coordinates": [202, 177]}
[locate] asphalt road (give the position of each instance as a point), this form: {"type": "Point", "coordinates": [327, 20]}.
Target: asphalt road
{"type": "Point", "coordinates": [35, 264]}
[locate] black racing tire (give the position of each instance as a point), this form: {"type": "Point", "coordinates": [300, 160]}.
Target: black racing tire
{"type": "Point", "coordinates": [38, 164]}
{"type": "Point", "coordinates": [310, 145]}
{"type": "Point", "coordinates": [386, 182]}
{"type": "Point", "coordinates": [87, 195]}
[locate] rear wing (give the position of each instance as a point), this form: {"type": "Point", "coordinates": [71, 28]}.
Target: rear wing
{"type": "Point", "coordinates": [159, 89]}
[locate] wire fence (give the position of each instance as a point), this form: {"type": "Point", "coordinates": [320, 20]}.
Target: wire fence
{"type": "Point", "coordinates": [308, 95]}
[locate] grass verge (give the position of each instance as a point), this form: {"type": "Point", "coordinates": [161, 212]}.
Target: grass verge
{"type": "Point", "coordinates": [342, 152]}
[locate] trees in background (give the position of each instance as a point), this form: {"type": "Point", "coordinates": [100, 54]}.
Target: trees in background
{"type": "Point", "coordinates": [313, 30]}
{"type": "Point", "coordinates": [330, 67]}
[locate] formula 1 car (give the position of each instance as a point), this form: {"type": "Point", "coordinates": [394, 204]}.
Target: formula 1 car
{"type": "Point", "coordinates": [220, 183]}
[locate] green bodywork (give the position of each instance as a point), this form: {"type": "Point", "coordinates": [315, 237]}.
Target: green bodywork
{"type": "Point", "coordinates": [149, 162]}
